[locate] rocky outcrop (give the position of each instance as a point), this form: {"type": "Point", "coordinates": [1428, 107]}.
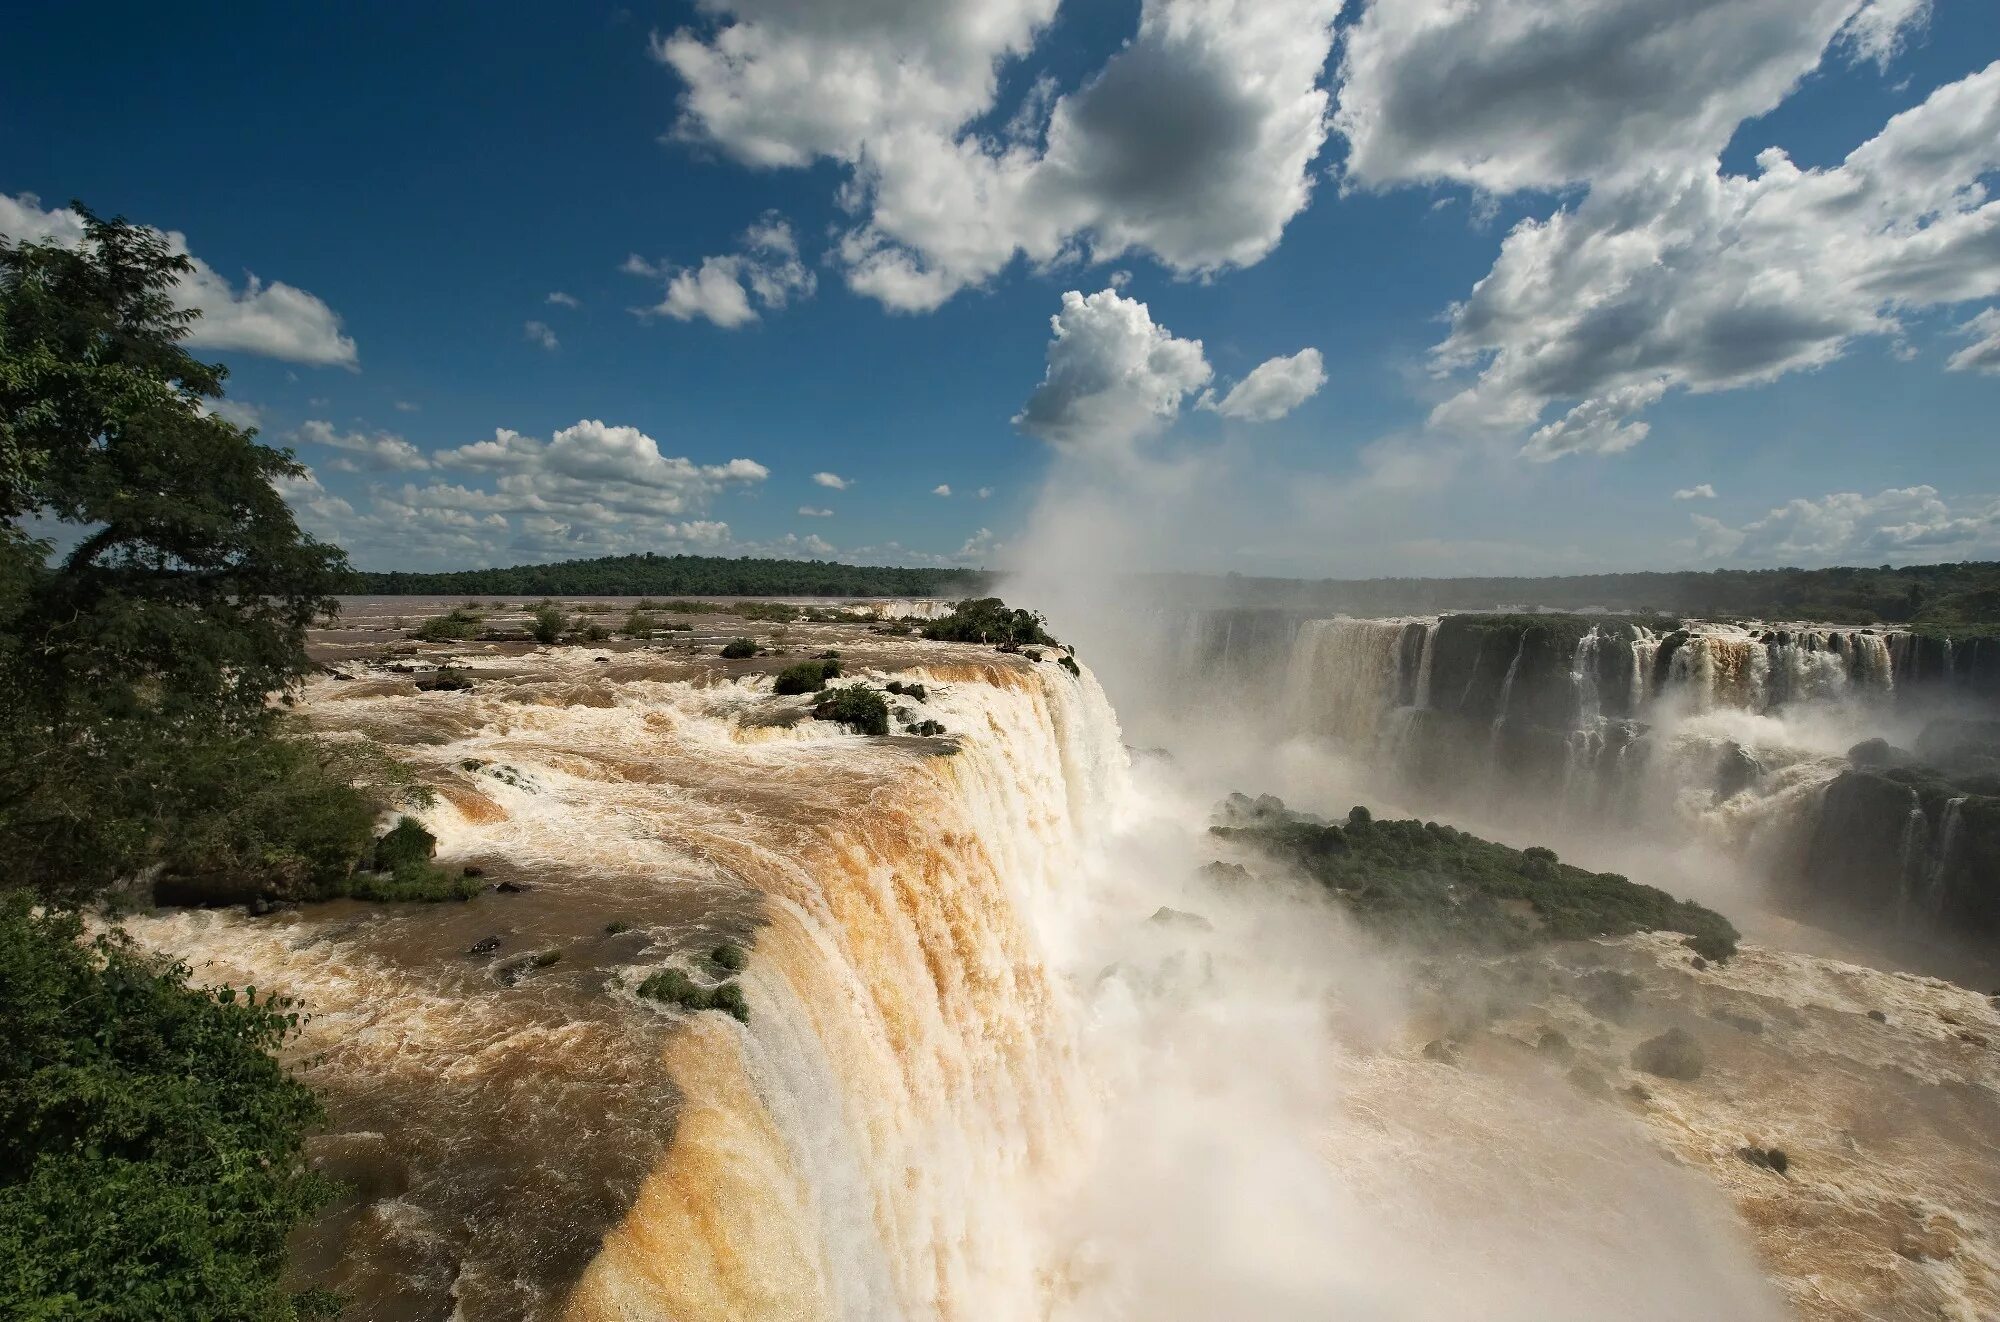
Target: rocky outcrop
{"type": "Point", "coordinates": [1906, 847]}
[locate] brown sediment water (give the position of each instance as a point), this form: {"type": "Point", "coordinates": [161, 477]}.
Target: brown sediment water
{"type": "Point", "coordinates": [983, 1078]}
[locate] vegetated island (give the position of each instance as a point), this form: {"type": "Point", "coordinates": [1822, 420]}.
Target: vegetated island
{"type": "Point", "coordinates": [676, 575]}
{"type": "Point", "coordinates": [1429, 883]}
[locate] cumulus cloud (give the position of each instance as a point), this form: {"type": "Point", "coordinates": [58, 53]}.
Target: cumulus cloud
{"type": "Point", "coordinates": [272, 318]}
{"type": "Point", "coordinates": [832, 481]}
{"type": "Point", "coordinates": [1113, 376]}
{"type": "Point", "coordinates": [405, 406]}
{"type": "Point", "coordinates": [1908, 523]}
{"type": "Point", "coordinates": [941, 489]}
{"type": "Point", "coordinates": [1700, 491]}
{"type": "Point", "coordinates": [1685, 276]}
{"type": "Point", "coordinates": [590, 489]}
{"type": "Point", "coordinates": [1193, 143]}
{"type": "Point", "coordinates": [562, 300]}
{"type": "Point", "coordinates": [1274, 388]}
{"type": "Point", "coordinates": [1517, 94]}
{"type": "Point", "coordinates": [815, 511]}
{"type": "Point", "coordinates": [537, 332]}
{"type": "Point", "coordinates": [1983, 354]}
{"type": "Point", "coordinates": [358, 450]}
{"type": "Point", "coordinates": [984, 492]}
{"type": "Point", "coordinates": [727, 290]}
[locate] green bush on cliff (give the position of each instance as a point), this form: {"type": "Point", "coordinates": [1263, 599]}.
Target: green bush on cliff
{"type": "Point", "coordinates": [1431, 882]}
{"type": "Point", "coordinates": [862, 710]}
{"type": "Point", "coordinates": [738, 648]}
{"type": "Point", "coordinates": [989, 620]}
{"type": "Point", "coordinates": [804, 677]}
{"type": "Point", "coordinates": [673, 987]}
{"type": "Point", "coordinates": [150, 1144]}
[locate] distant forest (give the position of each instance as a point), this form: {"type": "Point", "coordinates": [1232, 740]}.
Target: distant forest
{"type": "Point", "coordinates": [1942, 595]}
{"type": "Point", "coordinates": [651, 575]}
{"type": "Point", "coordinates": [1955, 595]}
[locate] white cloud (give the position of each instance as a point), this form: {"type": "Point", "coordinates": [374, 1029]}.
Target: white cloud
{"type": "Point", "coordinates": [1514, 94]}
{"type": "Point", "coordinates": [1983, 354]}
{"type": "Point", "coordinates": [238, 411]}
{"type": "Point", "coordinates": [833, 481]}
{"type": "Point", "coordinates": [405, 406]}
{"type": "Point", "coordinates": [984, 492]}
{"type": "Point", "coordinates": [590, 489]}
{"type": "Point", "coordinates": [1192, 143]}
{"type": "Point", "coordinates": [1113, 376]}
{"type": "Point", "coordinates": [815, 512]}
{"type": "Point", "coordinates": [537, 332]}
{"type": "Point", "coordinates": [1700, 491]}
{"type": "Point", "coordinates": [1274, 388]}
{"type": "Point", "coordinates": [1688, 277]}
{"type": "Point", "coordinates": [1910, 523]}
{"type": "Point", "coordinates": [562, 300]}
{"type": "Point", "coordinates": [381, 450]}
{"type": "Point", "coordinates": [941, 489]}
{"type": "Point", "coordinates": [721, 289]}
{"type": "Point", "coordinates": [274, 319]}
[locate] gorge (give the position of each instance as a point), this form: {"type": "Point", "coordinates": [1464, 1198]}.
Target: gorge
{"type": "Point", "coordinates": [1023, 1038]}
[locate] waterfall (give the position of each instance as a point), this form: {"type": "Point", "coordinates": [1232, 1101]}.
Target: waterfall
{"type": "Point", "coordinates": [1346, 676]}
{"type": "Point", "coordinates": [1937, 866]}
{"type": "Point", "coordinates": [877, 1140]}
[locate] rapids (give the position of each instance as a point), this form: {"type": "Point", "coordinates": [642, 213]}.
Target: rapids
{"type": "Point", "coordinates": [1011, 1054]}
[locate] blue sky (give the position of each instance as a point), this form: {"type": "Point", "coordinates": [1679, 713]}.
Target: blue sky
{"type": "Point", "coordinates": [895, 197]}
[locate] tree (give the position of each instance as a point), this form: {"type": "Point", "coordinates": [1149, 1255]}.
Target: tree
{"type": "Point", "coordinates": [151, 1157]}
{"type": "Point", "coordinates": [154, 585]}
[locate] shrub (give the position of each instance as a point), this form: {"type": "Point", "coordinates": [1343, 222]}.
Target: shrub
{"type": "Point", "coordinates": [151, 1159]}
{"type": "Point", "coordinates": [989, 620]}
{"type": "Point", "coordinates": [1671, 1055]}
{"type": "Point", "coordinates": [595, 632]}
{"type": "Point", "coordinates": [638, 624]}
{"type": "Point", "coordinates": [673, 987]}
{"type": "Point", "coordinates": [805, 677]}
{"type": "Point", "coordinates": [914, 692]}
{"type": "Point", "coordinates": [420, 883]}
{"type": "Point", "coordinates": [615, 926]}
{"type": "Point", "coordinates": [453, 626]}
{"type": "Point", "coordinates": [1068, 662]}
{"type": "Point", "coordinates": [403, 844]}
{"type": "Point", "coordinates": [862, 710]}
{"type": "Point", "coordinates": [547, 624]}
{"type": "Point", "coordinates": [928, 729]}
{"type": "Point", "coordinates": [738, 648]}
{"type": "Point", "coordinates": [729, 956]}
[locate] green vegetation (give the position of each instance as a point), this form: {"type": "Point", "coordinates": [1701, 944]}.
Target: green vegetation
{"type": "Point", "coordinates": [738, 648]}
{"type": "Point", "coordinates": [543, 959]}
{"type": "Point", "coordinates": [150, 1145]}
{"type": "Point", "coordinates": [1961, 599]}
{"type": "Point", "coordinates": [676, 575]}
{"type": "Point", "coordinates": [914, 692]}
{"type": "Point", "coordinates": [674, 987]}
{"type": "Point", "coordinates": [1426, 881]}
{"type": "Point", "coordinates": [729, 957]}
{"type": "Point", "coordinates": [454, 626]}
{"type": "Point", "coordinates": [615, 926]}
{"type": "Point", "coordinates": [805, 677]}
{"type": "Point", "coordinates": [860, 709]}
{"type": "Point", "coordinates": [547, 624]}
{"type": "Point", "coordinates": [989, 620]}
{"type": "Point", "coordinates": [928, 729]}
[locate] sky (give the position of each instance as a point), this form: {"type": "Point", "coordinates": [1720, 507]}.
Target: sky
{"type": "Point", "coordinates": [1290, 286]}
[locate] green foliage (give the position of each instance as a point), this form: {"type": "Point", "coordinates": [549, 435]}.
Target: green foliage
{"type": "Point", "coordinates": [860, 709]}
{"type": "Point", "coordinates": [1068, 662]}
{"type": "Point", "coordinates": [420, 883]}
{"type": "Point", "coordinates": [914, 692]}
{"type": "Point", "coordinates": [638, 624]}
{"type": "Point", "coordinates": [150, 1146]}
{"type": "Point", "coordinates": [405, 843]}
{"type": "Point", "coordinates": [673, 987]}
{"type": "Point", "coordinates": [615, 926]}
{"type": "Point", "coordinates": [729, 956]}
{"type": "Point", "coordinates": [678, 576]}
{"type": "Point", "coordinates": [455, 625]}
{"type": "Point", "coordinates": [989, 620]}
{"type": "Point", "coordinates": [805, 677]}
{"type": "Point", "coordinates": [548, 624]}
{"type": "Point", "coordinates": [182, 597]}
{"type": "Point", "coordinates": [927, 729]}
{"type": "Point", "coordinates": [1428, 881]}
{"type": "Point", "coordinates": [543, 959]}
{"type": "Point", "coordinates": [738, 648]}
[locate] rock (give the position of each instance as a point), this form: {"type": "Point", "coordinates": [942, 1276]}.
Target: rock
{"type": "Point", "coordinates": [1742, 1022]}
{"type": "Point", "coordinates": [1737, 771]}
{"type": "Point", "coordinates": [513, 887]}
{"type": "Point", "coordinates": [1698, 963]}
{"type": "Point", "coordinates": [1167, 917]}
{"type": "Point", "coordinates": [1588, 1081]}
{"type": "Point", "coordinates": [474, 872]}
{"type": "Point", "coordinates": [1609, 994]}
{"type": "Point", "coordinates": [1770, 1159]}
{"type": "Point", "coordinates": [484, 946]}
{"type": "Point", "coordinates": [1674, 1054]}
{"type": "Point", "coordinates": [1878, 1016]}
{"type": "Point", "coordinates": [1878, 753]}
{"type": "Point", "coordinates": [1441, 1051]}
{"type": "Point", "coordinates": [1552, 1043]}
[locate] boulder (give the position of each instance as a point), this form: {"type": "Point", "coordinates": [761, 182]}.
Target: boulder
{"type": "Point", "coordinates": [1674, 1054]}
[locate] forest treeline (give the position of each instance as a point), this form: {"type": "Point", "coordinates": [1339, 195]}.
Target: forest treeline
{"type": "Point", "coordinates": [652, 575]}
{"type": "Point", "coordinates": [1946, 595]}
{"type": "Point", "coordinates": [1950, 594]}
